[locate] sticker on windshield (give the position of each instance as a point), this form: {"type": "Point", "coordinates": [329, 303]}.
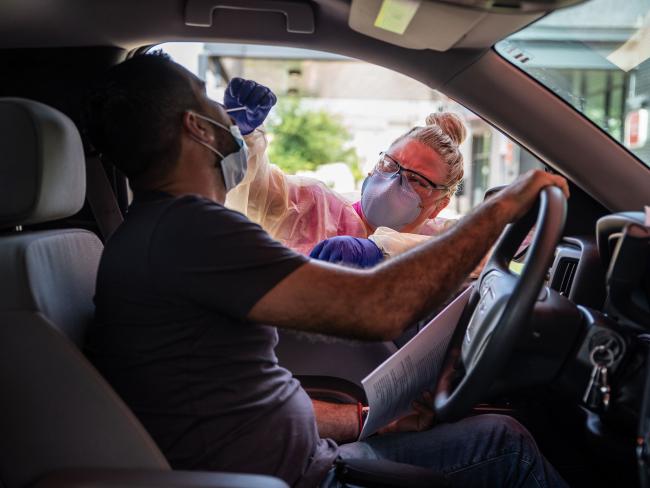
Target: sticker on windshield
{"type": "Point", "coordinates": [635, 50]}
{"type": "Point", "coordinates": [396, 15]}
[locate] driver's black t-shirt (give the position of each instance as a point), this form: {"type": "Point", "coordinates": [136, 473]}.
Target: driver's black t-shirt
{"type": "Point", "coordinates": [175, 284]}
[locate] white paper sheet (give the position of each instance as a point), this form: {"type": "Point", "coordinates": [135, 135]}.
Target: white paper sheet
{"type": "Point", "coordinates": [392, 387]}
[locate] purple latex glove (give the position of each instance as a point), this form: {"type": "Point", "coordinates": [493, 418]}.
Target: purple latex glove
{"type": "Point", "coordinates": [348, 250]}
{"type": "Point", "coordinates": [256, 98]}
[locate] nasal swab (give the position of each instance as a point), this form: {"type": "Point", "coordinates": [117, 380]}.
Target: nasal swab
{"type": "Point", "coordinates": [236, 109]}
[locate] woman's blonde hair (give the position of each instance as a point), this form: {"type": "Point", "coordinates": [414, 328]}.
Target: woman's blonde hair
{"type": "Point", "coordinates": [444, 133]}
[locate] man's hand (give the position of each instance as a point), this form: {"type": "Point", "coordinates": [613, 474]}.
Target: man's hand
{"type": "Point", "coordinates": [518, 197]}
{"type": "Point", "coordinates": [421, 419]}
{"type": "Point", "coordinates": [255, 98]}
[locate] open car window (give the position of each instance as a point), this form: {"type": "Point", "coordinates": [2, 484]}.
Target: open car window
{"type": "Point", "coordinates": [336, 114]}
{"type": "Point", "coordinates": [596, 57]}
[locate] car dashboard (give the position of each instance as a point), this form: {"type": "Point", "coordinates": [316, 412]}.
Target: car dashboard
{"type": "Point", "coordinates": [605, 277]}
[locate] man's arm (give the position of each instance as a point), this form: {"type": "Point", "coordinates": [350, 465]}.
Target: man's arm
{"type": "Point", "coordinates": [341, 421]}
{"type": "Point", "coordinates": [379, 304]}
{"type": "Point", "coordinates": [337, 421]}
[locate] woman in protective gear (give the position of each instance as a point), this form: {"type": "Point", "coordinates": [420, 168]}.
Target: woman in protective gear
{"type": "Point", "coordinates": [401, 198]}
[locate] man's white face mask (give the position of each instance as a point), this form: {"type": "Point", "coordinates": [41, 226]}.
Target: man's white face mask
{"type": "Point", "coordinates": [234, 165]}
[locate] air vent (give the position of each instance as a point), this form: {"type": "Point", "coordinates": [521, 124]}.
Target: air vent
{"type": "Point", "coordinates": [564, 274]}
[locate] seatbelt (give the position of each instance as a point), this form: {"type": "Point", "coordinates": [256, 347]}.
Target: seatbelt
{"type": "Point", "coordinates": [101, 198]}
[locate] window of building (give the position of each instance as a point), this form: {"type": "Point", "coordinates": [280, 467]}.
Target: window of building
{"type": "Point", "coordinates": [480, 174]}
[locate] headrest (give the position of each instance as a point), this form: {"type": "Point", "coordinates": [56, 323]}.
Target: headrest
{"type": "Point", "coordinates": [42, 165]}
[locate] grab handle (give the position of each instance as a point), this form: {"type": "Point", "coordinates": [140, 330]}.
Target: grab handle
{"type": "Point", "coordinates": [299, 15]}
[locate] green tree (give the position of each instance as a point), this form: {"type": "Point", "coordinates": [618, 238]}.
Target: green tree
{"type": "Point", "coordinates": [304, 139]}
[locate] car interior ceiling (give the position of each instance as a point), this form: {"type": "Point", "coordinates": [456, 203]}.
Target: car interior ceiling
{"type": "Point", "coordinates": [52, 53]}
{"type": "Point", "coordinates": [456, 72]}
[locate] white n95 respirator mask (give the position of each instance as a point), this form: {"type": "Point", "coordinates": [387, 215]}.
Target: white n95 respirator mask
{"type": "Point", "coordinates": [235, 164]}
{"type": "Point", "coordinates": [389, 201]}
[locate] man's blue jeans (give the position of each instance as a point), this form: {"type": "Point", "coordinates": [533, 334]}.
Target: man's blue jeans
{"type": "Point", "coordinates": [491, 451]}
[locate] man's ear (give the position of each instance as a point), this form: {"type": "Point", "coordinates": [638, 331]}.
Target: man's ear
{"type": "Point", "coordinates": [440, 206]}
{"type": "Point", "coordinates": [197, 127]}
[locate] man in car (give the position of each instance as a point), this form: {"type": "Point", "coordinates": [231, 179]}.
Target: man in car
{"type": "Point", "coordinates": [189, 294]}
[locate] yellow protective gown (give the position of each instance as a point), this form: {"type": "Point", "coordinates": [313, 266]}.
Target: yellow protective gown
{"type": "Point", "coordinates": [300, 211]}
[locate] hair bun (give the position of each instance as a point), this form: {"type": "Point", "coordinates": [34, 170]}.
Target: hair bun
{"type": "Point", "coordinates": [450, 123]}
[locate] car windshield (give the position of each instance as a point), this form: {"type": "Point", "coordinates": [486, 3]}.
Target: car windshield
{"type": "Point", "coordinates": [594, 56]}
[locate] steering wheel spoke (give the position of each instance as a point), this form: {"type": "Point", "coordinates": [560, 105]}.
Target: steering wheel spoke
{"type": "Point", "coordinates": [495, 291]}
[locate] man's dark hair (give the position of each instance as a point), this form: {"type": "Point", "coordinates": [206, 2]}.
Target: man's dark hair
{"type": "Point", "coordinates": [133, 117]}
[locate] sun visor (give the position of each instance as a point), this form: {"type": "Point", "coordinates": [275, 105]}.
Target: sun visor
{"type": "Point", "coordinates": [421, 24]}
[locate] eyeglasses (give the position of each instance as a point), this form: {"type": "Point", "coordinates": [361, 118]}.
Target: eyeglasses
{"type": "Point", "coordinates": [388, 166]}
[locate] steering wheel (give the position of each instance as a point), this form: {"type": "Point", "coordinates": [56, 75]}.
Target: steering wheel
{"type": "Point", "coordinates": [499, 307]}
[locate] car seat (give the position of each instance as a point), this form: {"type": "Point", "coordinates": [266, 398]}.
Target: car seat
{"type": "Point", "coordinates": [61, 424]}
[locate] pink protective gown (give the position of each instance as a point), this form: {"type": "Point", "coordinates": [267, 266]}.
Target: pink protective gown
{"type": "Point", "coordinates": [300, 211]}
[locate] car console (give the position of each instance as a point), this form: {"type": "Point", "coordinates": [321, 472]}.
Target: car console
{"type": "Point", "coordinates": [610, 373]}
